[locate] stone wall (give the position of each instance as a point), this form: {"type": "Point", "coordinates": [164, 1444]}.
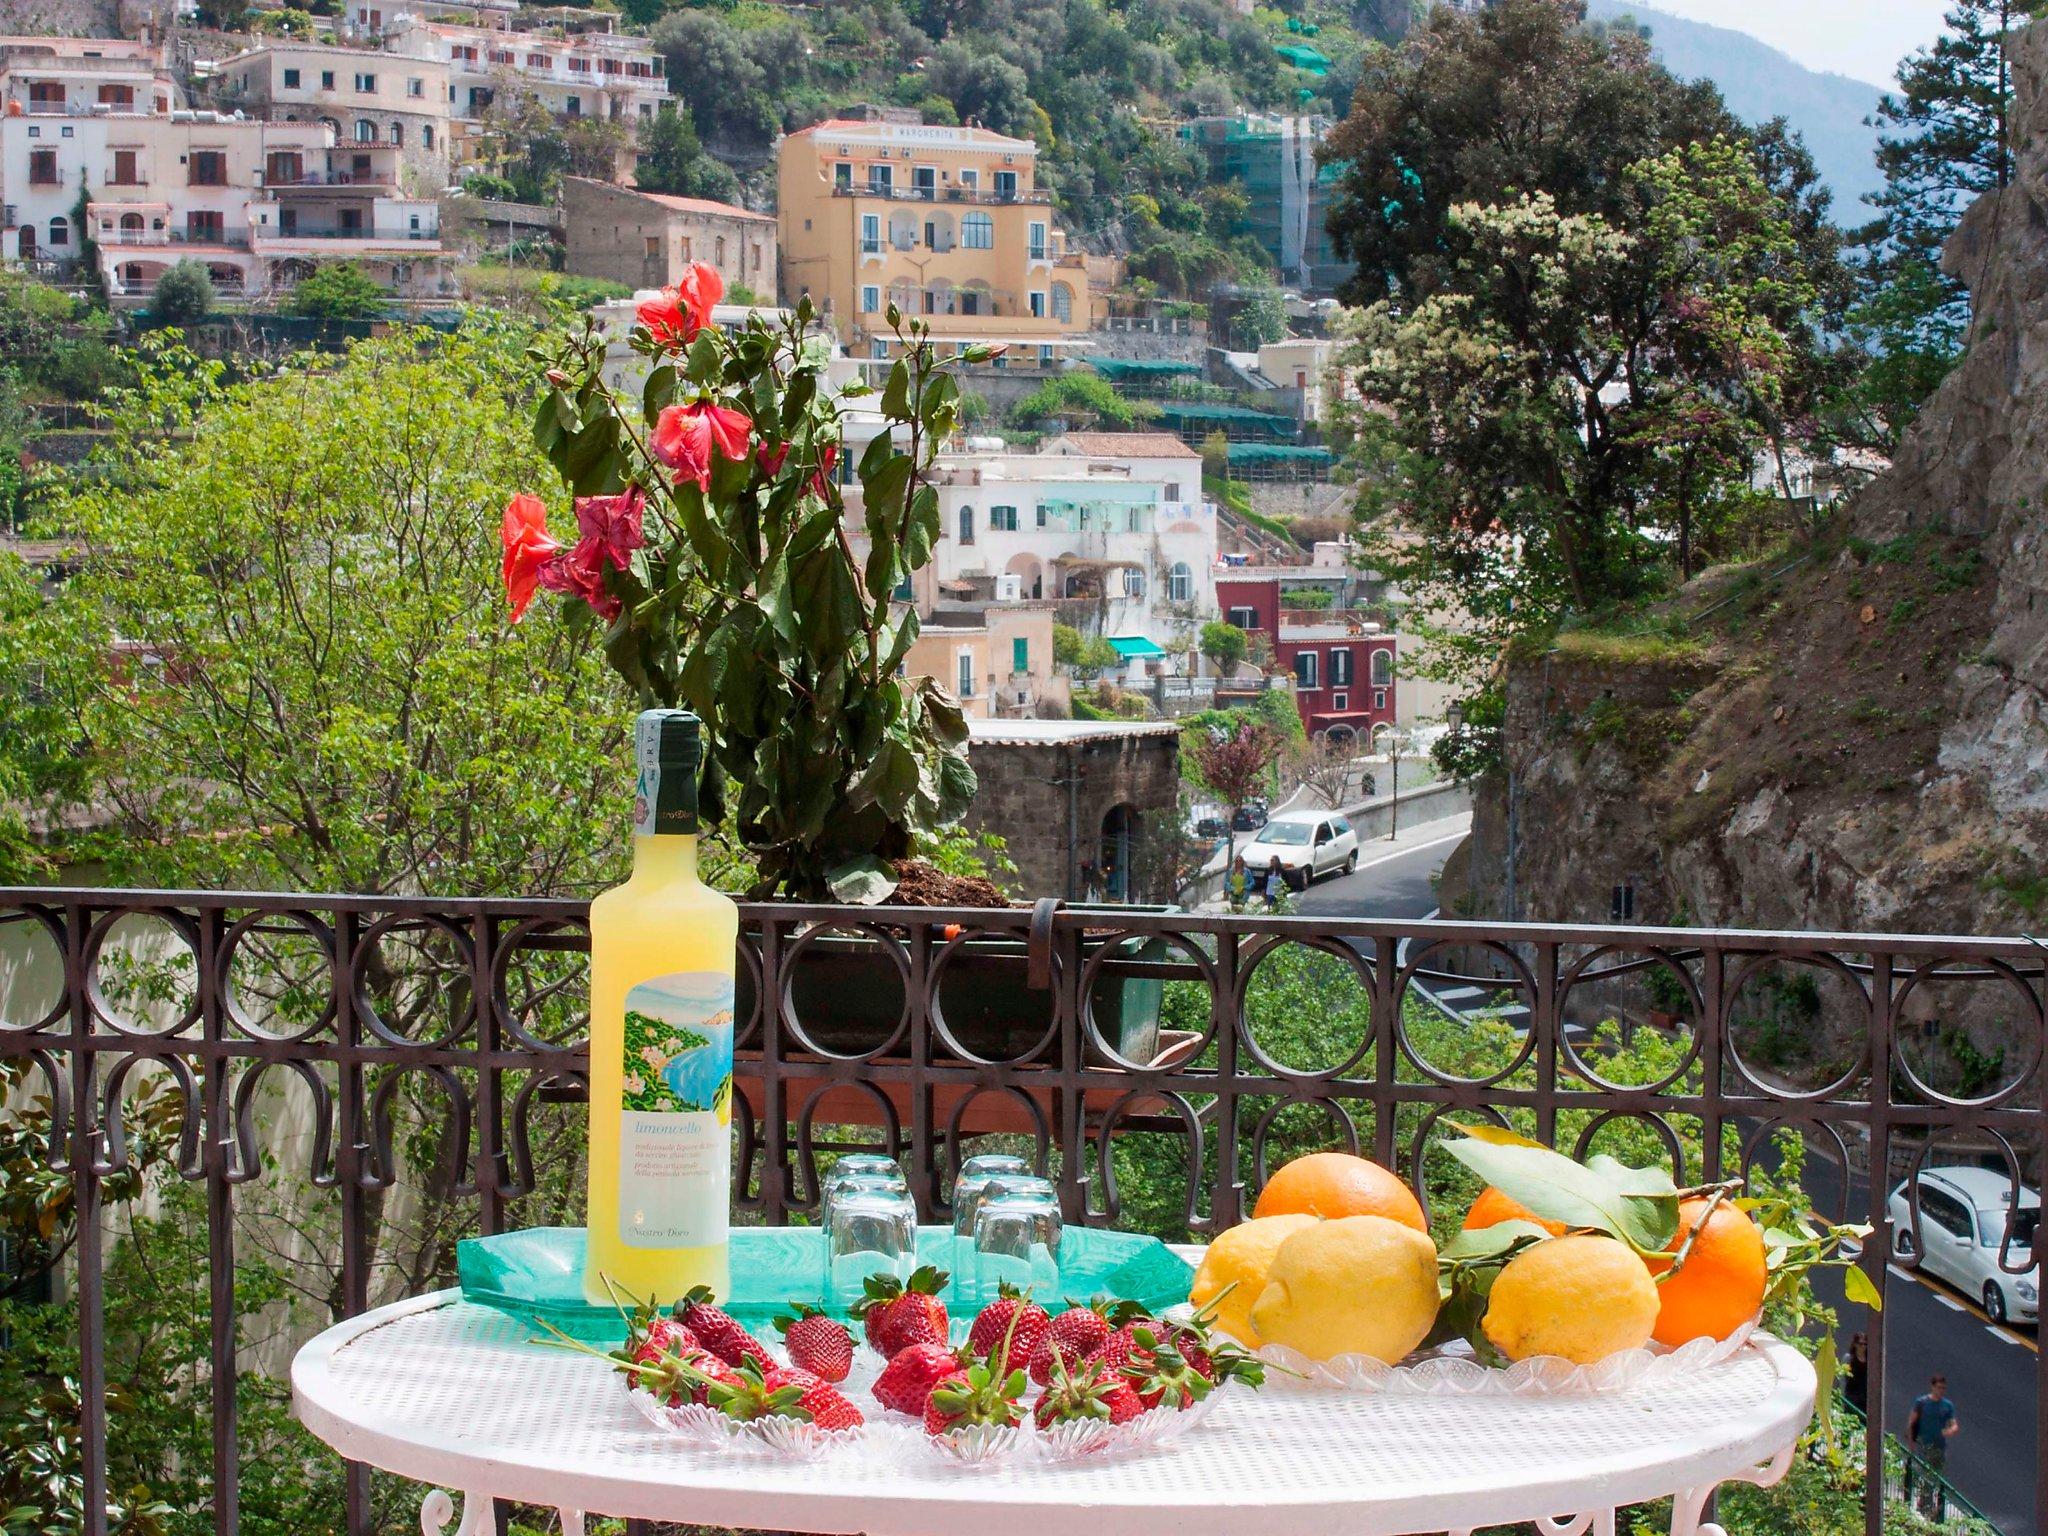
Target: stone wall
{"type": "Point", "coordinates": [1054, 828]}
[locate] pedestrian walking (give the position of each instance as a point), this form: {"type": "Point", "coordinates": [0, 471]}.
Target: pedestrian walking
{"type": "Point", "coordinates": [1237, 885]}
{"type": "Point", "coordinates": [1856, 1377]}
{"type": "Point", "coordinates": [1276, 883]}
{"type": "Point", "coordinates": [1929, 1430]}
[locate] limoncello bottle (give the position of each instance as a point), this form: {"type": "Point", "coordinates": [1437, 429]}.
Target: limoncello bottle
{"type": "Point", "coordinates": [661, 998]}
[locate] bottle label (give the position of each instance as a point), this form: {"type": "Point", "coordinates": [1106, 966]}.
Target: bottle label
{"type": "Point", "coordinates": [675, 1139]}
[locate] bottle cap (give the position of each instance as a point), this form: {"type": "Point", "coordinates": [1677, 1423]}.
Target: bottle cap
{"type": "Point", "coordinates": [668, 749]}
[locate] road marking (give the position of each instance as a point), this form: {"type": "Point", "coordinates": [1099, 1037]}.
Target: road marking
{"type": "Point", "coordinates": [1458, 992]}
{"type": "Point", "coordinates": [1402, 853]}
{"type": "Point", "coordinates": [1968, 1309]}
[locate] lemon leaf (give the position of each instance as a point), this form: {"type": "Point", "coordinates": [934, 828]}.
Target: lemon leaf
{"type": "Point", "coordinates": [1555, 1188]}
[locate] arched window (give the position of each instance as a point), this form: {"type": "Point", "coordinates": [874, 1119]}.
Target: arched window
{"type": "Point", "coordinates": [60, 231]}
{"type": "Point", "coordinates": [426, 135]}
{"type": "Point", "coordinates": [398, 134]}
{"type": "Point", "coordinates": [131, 223]}
{"type": "Point", "coordinates": [1382, 668]}
{"type": "Point", "coordinates": [1180, 583]}
{"type": "Point", "coordinates": [978, 232]}
{"type": "Point", "coordinates": [718, 251]}
{"type": "Point", "coordinates": [1062, 303]}
{"type": "Point", "coordinates": [366, 131]}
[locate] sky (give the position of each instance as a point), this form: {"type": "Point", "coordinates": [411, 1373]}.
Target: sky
{"type": "Point", "coordinates": [1864, 39]}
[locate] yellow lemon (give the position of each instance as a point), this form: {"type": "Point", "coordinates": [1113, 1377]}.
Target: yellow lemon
{"type": "Point", "coordinates": [1239, 1261]}
{"type": "Point", "coordinates": [1579, 1297]}
{"type": "Point", "coordinates": [1359, 1285]}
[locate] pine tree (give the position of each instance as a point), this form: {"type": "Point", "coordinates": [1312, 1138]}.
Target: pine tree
{"type": "Point", "coordinates": [1944, 139]}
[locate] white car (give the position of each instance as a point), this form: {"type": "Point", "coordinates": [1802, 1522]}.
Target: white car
{"type": "Point", "coordinates": [1307, 844]}
{"type": "Point", "coordinates": [1964, 1215]}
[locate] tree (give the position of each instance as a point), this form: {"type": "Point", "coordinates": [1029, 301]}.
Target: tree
{"type": "Point", "coordinates": [672, 160]}
{"type": "Point", "coordinates": [982, 86]}
{"type": "Point", "coordinates": [1944, 139]}
{"type": "Point", "coordinates": [336, 704]}
{"type": "Point", "coordinates": [1234, 762]}
{"type": "Point", "coordinates": [183, 295]}
{"type": "Point", "coordinates": [1261, 318]}
{"type": "Point", "coordinates": [1224, 644]}
{"type": "Point", "coordinates": [714, 554]}
{"type": "Point", "coordinates": [338, 290]}
{"type": "Point", "coordinates": [1081, 400]}
{"type": "Point", "coordinates": [1083, 655]}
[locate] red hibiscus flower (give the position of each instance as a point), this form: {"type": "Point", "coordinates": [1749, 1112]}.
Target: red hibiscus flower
{"type": "Point", "coordinates": [821, 477]}
{"type": "Point", "coordinates": [674, 319]}
{"type": "Point", "coordinates": [528, 548]}
{"type": "Point", "coordinates": [686, 436]}
{"type": "Point", "coordinates": [580, 573]}
{"type": "Point", "coordinates": [770, 459]}
{"type": "Point", "coordinates": [612, 525]}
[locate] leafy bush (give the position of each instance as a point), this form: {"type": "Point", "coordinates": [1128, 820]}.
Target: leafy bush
{"type": "Point", "coordinates": [341, 290]}
{"type": "Point", "coordinates": [183, 295]}
{"type": "Point", "coordinates": [1225, 644]}
{"type": "Point", "coordinates": [1081, 400]}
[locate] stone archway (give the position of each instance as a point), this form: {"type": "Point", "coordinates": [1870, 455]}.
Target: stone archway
{"type": "Point", "coordinates": [1030, 571]}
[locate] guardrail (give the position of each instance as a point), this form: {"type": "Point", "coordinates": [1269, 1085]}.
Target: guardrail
{"type": "Point", "coordinates": [450, 1033]}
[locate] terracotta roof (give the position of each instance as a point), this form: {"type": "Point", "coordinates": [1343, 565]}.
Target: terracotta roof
{"type": "Point", "coordinates": [702, 205]}
{"type": "Point", "coordinates": [1127, 445]}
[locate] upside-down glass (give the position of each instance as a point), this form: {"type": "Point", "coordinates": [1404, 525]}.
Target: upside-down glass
{"type": "Point", "coordinates": [1017, 1243]}
{"type": "Point", "coordinates": [869, 1231]}
{"type": "Point", "coordinates": [867, 1163]}
{"type": "Point", "coordinates": [978, 1184]}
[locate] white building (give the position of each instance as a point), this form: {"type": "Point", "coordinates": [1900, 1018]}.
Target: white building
{"type": "Point", "coordinates": [1114, 519]}
{"type": "Point", "coordinates": [572, 73]}
{"type": "Point", "coordinates": [79, 76]}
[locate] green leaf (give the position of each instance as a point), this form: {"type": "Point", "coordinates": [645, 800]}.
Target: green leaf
{"type": "Point", "coordinates": [896, 393]}
{"type": "Point", "coordinates": [863, 882]}
{"type": "Point", "coordinates": [1491, 1244]}
{"type": "Point", "coordinates": [1555, 1188]}
{"type": "Point", "coordinates": [1858, 1287]}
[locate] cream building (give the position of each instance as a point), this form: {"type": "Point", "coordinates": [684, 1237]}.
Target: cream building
{"type": "Point", "coordinates": [365, 98]}
{"type": "Point", "coordinates": [649, 239]}
{"type": "Point", "coordinates": [948, 224]}
{"type": "Point", "coordinates": [996, 659]}
{"type": "Point", "coordinates": [80, 76]}
{"type": "Point", "coordinates": [581, 72]}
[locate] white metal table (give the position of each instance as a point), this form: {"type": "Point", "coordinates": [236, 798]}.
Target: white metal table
{"type": "Point", "coordinates": [457, 1395]}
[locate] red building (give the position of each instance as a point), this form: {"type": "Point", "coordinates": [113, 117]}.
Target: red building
{"type": "Point", "coordinates": [1343, 667]}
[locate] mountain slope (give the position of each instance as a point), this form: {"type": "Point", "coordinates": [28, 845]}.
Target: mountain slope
{"type": "Point", "coordinates": [1759, 82]}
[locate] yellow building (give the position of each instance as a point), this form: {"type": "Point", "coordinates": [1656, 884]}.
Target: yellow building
{"type": "Point", "coordinates": [947, 224]}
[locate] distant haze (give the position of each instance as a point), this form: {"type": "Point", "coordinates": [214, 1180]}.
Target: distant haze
{"type": "Point", "coordinates": [1761, 82]}
{"type": "Point", "coordinates": [1862, 38]}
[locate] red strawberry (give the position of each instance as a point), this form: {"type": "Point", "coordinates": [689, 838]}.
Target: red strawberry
{"type": "Point", "coordinates": [977, 1395]}
{"type": "Point", "coordinates": [664, 1335]}
{"type": "Point", "coordinates": [681, 1376]}
{"type": "Point", "coordinates": [819, 1401]}
{"type": "Point", "coordinates": [1089, 1394]}
{"type": "Point", "coordinates": [907, 1381]}
{"type": "Point", "coordinates": [717, 1331]}
{"type": "Point", "coordinates": [1154, 1364]}
{"type": "Point", "coordinates": [1011, 1315]}
{"type": "Point", "coordinates": [898, 1313]}
{"type": "Point", "coordinates": [1075, 1334]}
{"type": "Point", "coordinates": [817, 1343]}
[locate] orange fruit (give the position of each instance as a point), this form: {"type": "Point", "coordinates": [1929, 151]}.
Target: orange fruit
{"type": "Point", "coordinates": [1492, 1208]}
{"type": "Point", "coordinates": [1721, 1285]}
{"type": "Point", "coordinates": [1336, 1184]}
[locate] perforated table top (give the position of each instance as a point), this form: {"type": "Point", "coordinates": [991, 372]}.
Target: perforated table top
{"type": "Point", "coordinates": [454, 1394]}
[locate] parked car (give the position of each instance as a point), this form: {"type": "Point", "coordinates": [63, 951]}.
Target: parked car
{"type": "Point", "coordinates": [1965, 1214]}
{"type": "Point", "coordinates": [1213, 828]}
{"type": "Point", "coordinates": [1248, 817]}
{"type": "Point", "coordinates": [1307, 844]}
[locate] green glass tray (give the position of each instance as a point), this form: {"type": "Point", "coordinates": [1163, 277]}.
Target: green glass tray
{"type": "Point", "coordinates": [538, 1273]}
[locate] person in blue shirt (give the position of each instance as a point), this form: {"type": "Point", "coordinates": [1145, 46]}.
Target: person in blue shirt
{"type": "Point", "coordinates": [1930, 1429]}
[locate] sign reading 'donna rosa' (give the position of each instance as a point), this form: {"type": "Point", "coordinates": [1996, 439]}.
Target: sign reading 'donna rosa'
{"type": "Point", "coordinates": [675, 1136]}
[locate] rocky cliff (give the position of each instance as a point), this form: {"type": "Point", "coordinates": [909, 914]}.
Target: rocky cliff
{"type": "Point", "coordinates": [1852, 737]}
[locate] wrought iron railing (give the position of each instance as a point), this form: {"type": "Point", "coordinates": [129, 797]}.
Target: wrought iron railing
{"type": "Point", "coordinates": [1157, 1063]}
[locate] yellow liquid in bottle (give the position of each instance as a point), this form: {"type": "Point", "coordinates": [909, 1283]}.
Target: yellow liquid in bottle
{"type": "Point", "coordinates": [661, 948]}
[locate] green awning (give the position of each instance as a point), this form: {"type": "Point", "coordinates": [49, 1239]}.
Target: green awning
{"type": "Point", "coordinates": [1135, 647]}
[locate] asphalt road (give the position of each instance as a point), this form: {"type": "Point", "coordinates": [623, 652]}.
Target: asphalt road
{"type": "Point", "coordinates": [1928, 1328]}
{"type": "Point", "coordinates": [1394, 878]}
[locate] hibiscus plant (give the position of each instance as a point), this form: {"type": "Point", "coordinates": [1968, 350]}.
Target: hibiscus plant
{"type": "Point", "coordinates": [713, 547]}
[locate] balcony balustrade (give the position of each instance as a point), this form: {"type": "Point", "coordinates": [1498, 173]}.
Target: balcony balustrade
{"type": "Point", "coordinates": [898, 194]}
{"type": "Point", "coordinates": [1832, 1038]}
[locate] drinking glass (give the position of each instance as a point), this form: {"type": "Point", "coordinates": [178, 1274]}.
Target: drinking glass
{"type": "Point", "coordinates": [976, 1185]}
{"type": "Point", "coordinates": [868, 1163]}
{"type": "Point", "coordinates": [868, 1231]}
{"type": "Point", "coordinates": [1017, 1242]}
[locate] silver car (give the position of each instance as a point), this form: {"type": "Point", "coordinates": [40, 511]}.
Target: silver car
{"type": "Point", "coordinates": [1966, 1216]}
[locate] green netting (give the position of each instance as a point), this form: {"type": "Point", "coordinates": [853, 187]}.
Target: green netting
{"type": "Point", "coordinates": [1276, 453]}
{"type": "Point", "coordinates": [1141, 367]}
{"type": "Point", "coordinates": [1301, 56]}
